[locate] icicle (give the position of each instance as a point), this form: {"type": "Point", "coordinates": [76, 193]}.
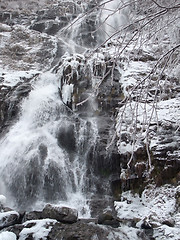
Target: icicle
{"type": "Point", "coordinates": [67, 91]}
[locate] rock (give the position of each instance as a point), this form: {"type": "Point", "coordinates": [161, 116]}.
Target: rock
{"type": "Point", "coordinates": [32, 216]}
{"type": "Point", "coordinates": [79, 231]}
{"type": "Point", "coordinates": [169, 222]}
{"type": "Point", "coordinates": [146, 225]}
{"type": "Point", "coordinates": [108, 219]}
{"type": "Point", "coordinates": [8, 219]}
{"type": "Point", "coordinates": [61, 214]}
{"type": "Point", "coordinates": [16, 229]}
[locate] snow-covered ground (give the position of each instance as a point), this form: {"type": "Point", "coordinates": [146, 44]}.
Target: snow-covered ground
{"type": "Point", "coordinates": [157, 207]}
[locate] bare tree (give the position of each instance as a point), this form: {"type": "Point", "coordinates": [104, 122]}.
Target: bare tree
{"type": "Point", "coordinates": [132, 27]}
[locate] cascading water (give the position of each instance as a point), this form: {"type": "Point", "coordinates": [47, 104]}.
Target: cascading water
{"type": "Point", "coordinates": [44, 153]}
{"type": "Point", "coordinates": [114, 15]}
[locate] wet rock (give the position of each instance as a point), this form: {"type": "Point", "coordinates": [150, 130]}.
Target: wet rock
{"type": "Point", "coordinates": [32, 229]}
{"type": "Point", "coordinates": [107, 218]}
{"type": "Point", "coordinates": [146, 225]}
{"type": "Point", "coordinates": [50, 27]}
{"type": "Point", "coordinates": [62, 214]}
{"type": "Point", "coordinates": [78, 231]}
{"type": "Point", "coordinates": [8, 219]}
{"type": "Point", "coordinates": [34, 215]}
{"type": "Point", "coordinates": [169, 222]}
{"type": "Point", "coordinates": [66, 138]}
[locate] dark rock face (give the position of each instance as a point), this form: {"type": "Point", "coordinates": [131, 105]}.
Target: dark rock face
{"type": "Point", "coordinates": [166, 155]}
{"type": "Point", "coordinates": [34, 215]}
{"type": "Point", "coordinates": [66, 138]}
{"type": "Point", "coordinates": [78, 231]}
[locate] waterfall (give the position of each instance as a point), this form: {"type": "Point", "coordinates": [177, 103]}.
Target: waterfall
{"type": "Point", "coordinates": [114, 15]}
{"type": "Point", "coordinates": [43, 156]}
{"type": "Point", "coordinates": [45, 153]}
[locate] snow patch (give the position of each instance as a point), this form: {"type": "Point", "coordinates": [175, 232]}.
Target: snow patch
{"type": "Point", "coordinates": [7, 236]}
{"type": "Point", "coordinates": [11, 78]}
{"type": "Point", "coordinates": [39, 230]}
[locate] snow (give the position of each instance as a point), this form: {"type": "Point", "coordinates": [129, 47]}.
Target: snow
{"type": "Point", "coordinates": [11, 78]}
{"type": "Point", "coordinates": [156, 205]}
{"type": "Point", "coordinates": [141, 115]}
{"type": "Point", "coordinates": [7, 236]}
{"type": "Point", "coordinates": [164, 233]}
{"type": "Point", "coordinates": [40, 230]}
{"type": "Point", "coordinates": [131, 74]}
{"type": "Point", "coordinates": [7, 214]}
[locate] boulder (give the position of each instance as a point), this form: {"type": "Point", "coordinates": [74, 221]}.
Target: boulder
{"type": "Point", "coordinates": [8, 219]}
{"type": "Point", "coordinates": [169, 222]}
{"type": "Point", "coordinates": [61, 214]}
{"type": "Point", "coordinates": [107, 218]}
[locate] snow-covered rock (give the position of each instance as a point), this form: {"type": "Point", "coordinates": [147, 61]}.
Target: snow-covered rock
{"type": "Point", "coordinates": [38, 229]}
{"type": "Point", "coordinates": [8, 218]}
{"type": "Point", "coordinates": [7, 236]}
{"type": "Point", "coordinates": [156, 208]}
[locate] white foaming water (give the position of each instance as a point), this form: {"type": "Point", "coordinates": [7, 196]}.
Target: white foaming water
{"type": "Point", "coordinates": [35, 164]}
{"type": "Point", "coordinates": [114, 15]}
